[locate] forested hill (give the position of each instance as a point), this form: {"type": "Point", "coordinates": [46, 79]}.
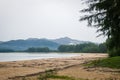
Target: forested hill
{"type": "Point", "coordinates": [25, 44]}
{"type": "Point", "coordinates": [0, 41]}
{"type": "Point", "coordinates": [52, 44]}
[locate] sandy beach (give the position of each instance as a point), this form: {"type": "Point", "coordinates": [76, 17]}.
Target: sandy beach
{"type": "Point", "coordinates": [15, 70]}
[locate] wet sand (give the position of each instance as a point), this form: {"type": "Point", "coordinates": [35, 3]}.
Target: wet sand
{"type": "Point", "coordinates": [66, 66]}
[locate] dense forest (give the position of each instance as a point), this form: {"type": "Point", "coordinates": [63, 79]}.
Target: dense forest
{"type": "Point", "coordinates": [85, 48]}
{"type": "Point", "coordinates": [6, 50]}
{"type": "Point", "coordinates": [33, 49]}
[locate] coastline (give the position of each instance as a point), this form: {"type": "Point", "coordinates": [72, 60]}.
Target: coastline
{"type": "Point", "coordinates": [27, 68]}
{"type": "Point", "coordinates": [17, 56]}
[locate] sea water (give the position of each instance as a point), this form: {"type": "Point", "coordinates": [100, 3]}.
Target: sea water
{"type": "Point", "coordinates": [29, 56]}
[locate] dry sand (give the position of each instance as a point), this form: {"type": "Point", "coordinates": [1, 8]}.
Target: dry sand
{"type": "Point", "coordinates": [14, 70]}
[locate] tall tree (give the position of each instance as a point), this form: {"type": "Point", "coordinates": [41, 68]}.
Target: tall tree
{"type": "Point", "coordinates": [105, 15]}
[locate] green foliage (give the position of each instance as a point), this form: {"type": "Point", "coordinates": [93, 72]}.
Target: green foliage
{"type": "Point", "coordinates": [62, 77]}
{"type": "Point", "coordinates": [90, 47]}
{"type": "Point", "coordinates": [103, 47]}
{"type": "Point", "coordinates": [86, 48]}
{"type": "Point", "coordinates": [52, 74]}
{"type": "Point", "coordinates": [47, 74]}
{"type": "Point", "coordinates": [32, 49]}
{"type": "Point", "coordinates": [113, 50]}
{"type": "Point", "coordinates": [66, 48]}
{"type": "Point", "coordinates": [113, 62]}
{"type": "Point", "coordinates": [105, 16]}
{"type": "Point", "coordinates": [20, 45]}
{"type": "Point", "coordinates": [6, 50]}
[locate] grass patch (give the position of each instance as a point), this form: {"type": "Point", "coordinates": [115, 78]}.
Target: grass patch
{"type": "Point", "coordinates": [61, 77]}
{"type": "Point", "coordinates": [112, 62]}
{"type": "Point", "coordinates": [51, 74]}
{"type": "Point", "coordinates": [64, 77]}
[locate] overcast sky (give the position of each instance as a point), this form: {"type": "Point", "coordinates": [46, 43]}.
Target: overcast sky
{"type": "Point", "coordinates": [22, 19]}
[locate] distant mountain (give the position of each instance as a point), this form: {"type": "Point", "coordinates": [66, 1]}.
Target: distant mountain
{"type": "Point", "coordinates": [35, 42]}
{"type": "Point", "coordinates": [25, 44]}
{"type": "Point", "coordinates": [0, 41]}
{"type": "Point", "coordinates": [68, 41]}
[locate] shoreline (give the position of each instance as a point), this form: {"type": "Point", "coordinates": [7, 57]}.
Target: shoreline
{"type": "Point", "coordinates": [30, 56]}
{"type": "Point", "coordinates": [75, 55]}
{"type": "Point", "coordinates": [13, 69]}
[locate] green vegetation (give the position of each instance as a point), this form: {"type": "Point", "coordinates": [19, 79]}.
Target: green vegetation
{"type": "Point", "coordinates": [6, 50]}
{"type": "Point", "coordinates": [105, 16]}
{"type": "Point", "coordinates": [21, 45]}
{"type": "Point", "coordinates": [52, 74]}
{"type": "Point", "coordinates": [86, 48]}
{"type": "Point", "coordinates": [112, 62]}
{"type": "Point", "coordinates": [33, 49]}
{"type": "Point", "coordinates": [62, 77]}
{"type": "Point", "coordinates": [46, 75]}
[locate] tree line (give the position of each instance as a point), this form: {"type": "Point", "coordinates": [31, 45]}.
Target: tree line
{"type": "Point", "coordinates": [6, 50]}
{"type": "Point", "coordinates": [39, 49]}
{"type": "Point", "coordinates": [84, 48]}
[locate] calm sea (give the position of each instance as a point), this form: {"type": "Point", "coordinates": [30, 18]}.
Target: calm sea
{"type": "Point", "coordinates": [30, 56]}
